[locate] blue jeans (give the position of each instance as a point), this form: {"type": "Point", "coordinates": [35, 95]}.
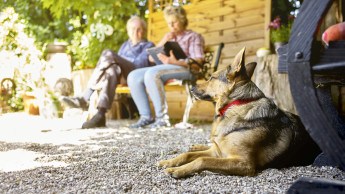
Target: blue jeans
{"type": "Point", "coordinates": [151, 79]}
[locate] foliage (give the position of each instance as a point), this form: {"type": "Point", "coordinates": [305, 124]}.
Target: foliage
{"type": "Point", "coordinates": [39, 22]}
{"type": "Point", "coordinates": [85, 25]}
{"type": "Point", "coordinates": [142, 5]}
{"type": "Point", "coordinates": [26, 27]}
{"type": "Point", "coordinates": [104, 26]}
{"type": "Point", "coordinates": [15, 103]}
{"type": "Point", "coordinates": [284, 8]}
{"type": "Point", "coordinates": [282, 12]}
{"type": "Point", "coordinates": [281, 32]}
{"type": "Point", "coordinates": [19, 57]}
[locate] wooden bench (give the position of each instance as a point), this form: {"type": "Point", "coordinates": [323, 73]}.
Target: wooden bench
{"type": "Point", "coordinates": [212, 55]}
{"type": "Point", "coordinates": [312, 69]}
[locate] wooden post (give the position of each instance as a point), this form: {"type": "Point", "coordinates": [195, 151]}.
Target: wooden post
{"type": "Point", "coordinates": [268, 13]}
{"type": "Point", "coordinates": [149, 20]}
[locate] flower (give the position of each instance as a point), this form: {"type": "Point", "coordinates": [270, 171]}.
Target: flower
{"type": "Point", "coordinates": [101, 30]}
{"type": "Point", "coordinates": [280, 32]}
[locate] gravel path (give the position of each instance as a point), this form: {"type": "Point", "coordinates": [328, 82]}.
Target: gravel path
{"type": "Point", "coordinates": [54, 156]}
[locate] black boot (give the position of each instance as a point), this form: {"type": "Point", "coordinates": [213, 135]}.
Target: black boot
{"type": "Point", "coordinates": [96, 121]}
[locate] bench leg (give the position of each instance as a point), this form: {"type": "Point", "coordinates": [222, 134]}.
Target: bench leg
{"type": "Point", "coordinates": [190, 101]}
{"type": "Point", "coordinates": [187, 109]}
{"type": "Point", "coordinates": [122, 99]}
{"type": "Point", "coordinates": [119, 100]}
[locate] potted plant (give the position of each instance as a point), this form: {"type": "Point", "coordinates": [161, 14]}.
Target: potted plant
{"type": "Point", "coordinates": [280, 32]}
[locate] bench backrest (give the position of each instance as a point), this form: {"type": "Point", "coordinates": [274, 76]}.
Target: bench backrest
{"type": "Point", "coordinates": [211, 62]}
{"type": "Point", "coordinates": [212, 56]}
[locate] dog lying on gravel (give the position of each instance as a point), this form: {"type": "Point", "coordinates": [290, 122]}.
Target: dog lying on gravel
{"type": "Point", "coordinates": [249, 133]}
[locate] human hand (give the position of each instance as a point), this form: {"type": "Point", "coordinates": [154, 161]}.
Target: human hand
{"type": "Point", "coordinates": [334, 33]}
{"type": "Point", "coordinates": [151, 59]}
{"type": "Point", "coordinates": [169, 36]}
{"type": "Point", "coordinates": [168, 59]}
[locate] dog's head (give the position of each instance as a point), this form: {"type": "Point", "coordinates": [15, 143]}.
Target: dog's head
{"type": "Point", "coordinates": [223, 80]}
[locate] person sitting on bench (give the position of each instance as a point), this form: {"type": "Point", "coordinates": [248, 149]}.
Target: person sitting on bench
{"type": "Point", "coordinates": [151, 79]}
{"type": "Point", "coordinates": [111, 67]}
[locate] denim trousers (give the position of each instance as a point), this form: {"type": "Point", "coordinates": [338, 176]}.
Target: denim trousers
{"type": "Point", "coordinates": [151, 79]}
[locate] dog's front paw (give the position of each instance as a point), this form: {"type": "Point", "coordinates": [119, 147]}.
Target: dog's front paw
{"type": "Point", "coordinates": [164, 163]}
{"type": "Point", "coordinates": [177, 172]}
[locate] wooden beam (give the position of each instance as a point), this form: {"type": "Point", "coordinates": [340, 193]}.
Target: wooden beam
{"type": "Point", "coordinates": [268, 14]}
{"type": "Point", "coordinates": [149, 20]}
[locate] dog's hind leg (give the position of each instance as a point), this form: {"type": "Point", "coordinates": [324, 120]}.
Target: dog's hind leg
{"type": "Point", "coordinates": [186, 158]}
{"type": "Point", "coordinates": [198, 147]}
{"type": "Point", "coordinates": [218, 165]}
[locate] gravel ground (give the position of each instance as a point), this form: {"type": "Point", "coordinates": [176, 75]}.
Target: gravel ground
{"type": "Point", "coordinates": [55, 156]}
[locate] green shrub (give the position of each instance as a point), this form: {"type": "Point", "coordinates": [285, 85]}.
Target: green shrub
{"type": "Point", "coordinates": [100, 25]}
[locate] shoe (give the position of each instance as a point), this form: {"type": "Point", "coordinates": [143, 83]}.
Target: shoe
{"type": "Point", "coordinates": [96, 121]}
{"type": "Point", "coordinates": [160, 122]}
{"type": "Point", "coordinates": [75, 102]}
{"type": "Point", "coordinates": [142, 122]}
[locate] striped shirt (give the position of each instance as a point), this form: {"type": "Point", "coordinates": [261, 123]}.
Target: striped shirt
{"type": "Point", "coordinates": [191, 43]}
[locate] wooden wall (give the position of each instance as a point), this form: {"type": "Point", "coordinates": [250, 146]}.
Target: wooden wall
{"type": "Point", "coordinates": [201, 110]}
{"type": "Point", "coordinates": [237, 23]}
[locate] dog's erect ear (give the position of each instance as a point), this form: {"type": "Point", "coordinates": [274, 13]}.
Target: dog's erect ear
{"type": "Point", "coordinates": [236, 65]}
{"type": "Point", "coordinates": [250, 67]}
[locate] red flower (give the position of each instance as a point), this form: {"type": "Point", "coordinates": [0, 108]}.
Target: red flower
{"type": "Point", "coordinates": [291, 17]}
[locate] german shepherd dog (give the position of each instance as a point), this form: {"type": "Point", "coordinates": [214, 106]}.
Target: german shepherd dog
{"type": "Point", "coordinates": [249, 133]}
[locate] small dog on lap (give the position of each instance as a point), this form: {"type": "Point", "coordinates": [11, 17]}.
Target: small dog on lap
{"type": "Point", "coordinates": [250, 133]}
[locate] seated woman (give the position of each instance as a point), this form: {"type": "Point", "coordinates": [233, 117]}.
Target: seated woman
{"type": "Point", "coordinates": [151, 79]}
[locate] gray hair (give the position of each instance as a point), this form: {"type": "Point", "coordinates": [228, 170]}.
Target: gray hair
{"type": "Point", "coordinates": [134, 18]}
{"type": "Point", "coordinates": [177, 11]}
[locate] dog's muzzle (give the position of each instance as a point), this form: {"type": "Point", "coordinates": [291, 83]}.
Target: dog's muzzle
{"type": "Point", "coordinates": [200, 94]}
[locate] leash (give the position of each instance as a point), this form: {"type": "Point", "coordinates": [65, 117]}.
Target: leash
{"type": "Point", "coordinates": [234, 103]}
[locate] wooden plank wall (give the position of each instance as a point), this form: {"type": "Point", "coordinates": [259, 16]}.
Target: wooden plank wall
{"type": "Point", "coordinates": [236, 23]}
{"type": "Point", "coordinates": [201, 110]}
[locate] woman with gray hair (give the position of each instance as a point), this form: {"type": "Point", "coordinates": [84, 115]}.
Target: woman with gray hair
{"type": "Point", "coordinates": [151, 79]}
{"type": "Point", "coordinates": [113, 68]}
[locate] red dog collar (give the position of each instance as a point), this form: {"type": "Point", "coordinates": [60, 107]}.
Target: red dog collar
{"type": "Point", "coordinates": [234, 103]}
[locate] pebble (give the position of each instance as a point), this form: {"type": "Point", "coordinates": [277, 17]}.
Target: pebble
{"type": "Point", "coordinates": [122, 160]}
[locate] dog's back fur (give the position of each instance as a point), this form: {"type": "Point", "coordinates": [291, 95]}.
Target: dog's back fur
{"type": "Point", "coordinates": [284, 141]}
{"type": "Point", "coordinates": [247, 137]}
